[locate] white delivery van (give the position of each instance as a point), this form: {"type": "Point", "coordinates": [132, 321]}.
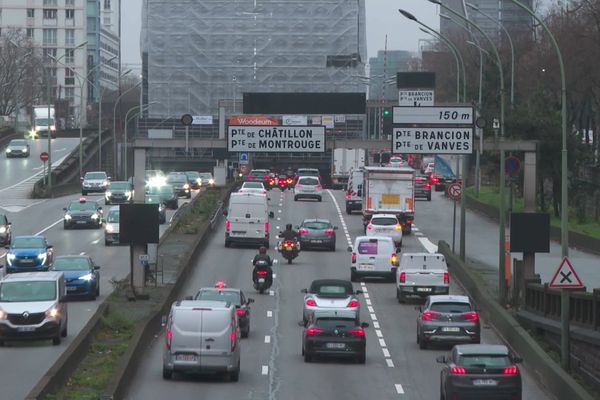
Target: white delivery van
{"type": "Point", "coordinates": [373, 256]}
{"type": "Point", "coordinates": [422, 274]}
{"type": "Point", "coordinates": [247, 220]}
{"type": "Point", "coordinates": [202, 336]}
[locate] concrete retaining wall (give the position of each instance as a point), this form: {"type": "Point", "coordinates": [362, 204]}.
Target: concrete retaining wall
{"type": "Point", "coordinates": [544, 369]}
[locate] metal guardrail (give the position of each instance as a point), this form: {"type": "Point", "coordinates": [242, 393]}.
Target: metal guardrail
{"type": "Point", "coordinates": [584, 310]}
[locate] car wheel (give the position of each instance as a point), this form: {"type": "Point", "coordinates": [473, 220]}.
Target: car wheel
{"type": "Point", "coordinates": [167, 373]}
{"type": "Point", "coordinates": [65, 226]}
{"type": "Point", "coordinates": [348, 211]}
{"type": "Point", "coordinates": [234, 376]}
{"type": "Point", "coordinates": [353, 277]}
{"type": "Point", "coordinates": [56, 340]}
{"type": "Point", "coordinates": [362, 358]}
{"type": "Point", "coordinates": [295, 198]}
{"type": "Point", "coordinates": [332, 248]}
{"type": "Point", "coordinates": [98, 289]}
{"type": "Point", "coordinates": [246, 332]}
{"type": "Point", "coordinates": [227, 243]}
{"type": "Point", "coordinates": [429, 198]}
{"type": "Point", "coordinates": [422, 344]}
{"type": "Point", "coordinates": [106, 203]}
{"type": "Point", "coordinates": [64, 331]}
{"type": "Point", "coordinates": [107, 243]}
{"type": "Point", "coordinates": [84, 193]}
{"type": "Point", "coordinates": [400, 296]}
{"type": "Point", "coordinates": [188, 196]}
{"type": "Point", "coordinates": [307, 357]}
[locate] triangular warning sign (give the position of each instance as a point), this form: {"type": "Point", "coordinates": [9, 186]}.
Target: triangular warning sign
{"type": "Point", "coordinates": [565, 277]}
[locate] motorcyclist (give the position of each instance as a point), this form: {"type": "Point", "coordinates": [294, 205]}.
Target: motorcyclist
{"type": "Point", "coordinates": [262, 256]}
{"type": "Point", "coordinates": [289, 234]}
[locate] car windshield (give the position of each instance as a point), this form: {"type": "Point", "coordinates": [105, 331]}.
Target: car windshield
{"type": "Point", "coordinates": [484, 360]}
{"type": "Point", "coordinates": [95, 175]}
{"type": "Point", "coordinates": [162, 190]}
{"type": "Point", "coordinates": [308, 181]}
{"type": "Point", "coordinates": [29, 243]}
{"type": "Point", "coordinates": [77, 206]}
{"type": "Point", "coordinates": [316, 225]}
{"type": "Point", "coordinates": [12, 292]}
{"type": "Point", "coordinates": [18, 142]}
{"type": "Point", "coordinates": [332, 323]}
{"type": "Point", "coordinates": [450, 307]}
{"type": "Point", "coordinates": [113, 216]}
{"type": "Point", "coordinates": [332, 291]}
{"type": "Point", "coordinates": [260, 172]}
{"type": "Point", "coordinates": [385, 221]}
{"type": "Point", "coordinates": [176, 178]}
{"type": "Point", "coordinates": [118, 186]}
{"type": "Point", "coordinates": [192, 175]}
{"type": "Point", "coordinates": [253, 185]}
{"type": "Point", "coordinates": [71, 264]}
{"type": "Point", "coordinates": [219, 295]}
{"type": "Point", "coordinates": [206, 175]}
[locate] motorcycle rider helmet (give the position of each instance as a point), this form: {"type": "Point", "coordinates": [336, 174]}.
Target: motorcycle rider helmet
{"type": "Point", "coordinates": [288, 227]}
{"type": "Point", "coordinates": [262, 250]}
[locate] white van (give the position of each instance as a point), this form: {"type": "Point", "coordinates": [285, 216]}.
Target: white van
{"type": "Point", "coordinates": [111, 226]}
{"type": "Point", "coordinates": [247, 220]}
{"type": "Point", "coordinates": [373, 256]}
{"type": "Point", "coordinates": [422, 275]}
{"type": "Point", "coordinates": [202, 336]}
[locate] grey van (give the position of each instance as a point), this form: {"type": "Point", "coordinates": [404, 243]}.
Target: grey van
{"type": "Point", "coordinates": [32, 307]}
{"type": "Point", "coordinates": [202, 336]}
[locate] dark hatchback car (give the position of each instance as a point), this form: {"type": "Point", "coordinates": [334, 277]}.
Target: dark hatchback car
{"type": "Point", "coordinates": [334, 334]}
{"type": "Point", "coordinates": [261, 175]}
{"type": "Point", "coordinates": [194, 179]}
{"type": "Point", "coordinates": [82, 214]}
{"type": "Point", "coordinates": [162, 209]}
{"type": "Point", "coordinates": [422, 187]}
{"type": "Point", "coordinates": [447, 319]}
{"type": "Point", "coordinates": [317, 233]}
{"type": "Point", "coordinates": [234, 296]}
{"type": "Point", "coordinates": [480, 371]}
{"type": "Point", "coordinates": [119, 192]}
{"type": "Point", "coordinates": [81, 275]}
{"type": "Point", "coordinates": [166, 194]}
{"type": "Point", "coordinates": [180, 184]}
{"type": "Point", "coordinates": [5, 230]}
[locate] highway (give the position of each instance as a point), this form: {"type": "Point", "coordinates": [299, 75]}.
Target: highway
{"type": "Point", "coordinates": [272, 366]}
{"type": "Point", "coordinates": [45, 218]}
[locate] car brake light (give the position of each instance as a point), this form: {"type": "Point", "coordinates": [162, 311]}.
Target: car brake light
{"type": "Point", "coordinates": [267, 178]}
{"type": "Point", "coordinates": [329, 232]}
{"type": "Point", "coordinates": [264, 192]}
{"type": "Point", "coordinates": [227, 225]}
{"type": "Point", "coordinates": [311, 303]}
{"type": "Point", "coordinates": [471, 316]}
{"type": "Point", "coordinates": [370, 226]}
{"type": "Point", "coordinates": [249, 177]}
{"type": "Point", "coordinates": [458, 371]}
{"type": "Point", "coordinates": [429, 315]}
{"type": "Point", "coordinates": [394, 259]}
{"type": "Point", "coordinates": [409, 221]}
{"type": "Point", "coordinates": [313, 331]}
{"type": "Point", "coordinates": [232, 337]}
{"type": "Point", "coordinates": [427, 186]}
{"type": "Point", "coordinates": [402, 277]}
{"type": "Point", "coordinates": [261, 273]}
{"type": "Point", "coordinates": [446, 278]}
{"type": "Point", "coordinates": [298, 185]}
{"type": "Point", "coordinates": [318, 187]}
{"type": "Point", "coordinates": [398, 227]}
{"type": "Point", "coordinates": [353, 258]}
{"type": "Point", "coordinates": [240, 312]}
{"type": "Point", "coordinates": [266, 227]}
{"type": "Point", "coordinates": [358, 332]}
{"type": "Point", "coordinates": [512, 370]}
{"type": "Point", "coordinates": [169, 338]}
{"type": "Point", "coordinates": [353, 304]}
{"type": "Point", "coordinates": [303, 231]}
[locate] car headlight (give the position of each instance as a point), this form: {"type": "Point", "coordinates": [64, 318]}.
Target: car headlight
{"type": "Point", "coordinates": [10, 257]}
{"type": "Point", "coordinates": [2, 229]}
{"type": "Point", "coordinates": [186, 186]}
{"type": "Point", "coordinates": [109, 228]}
{"type": "Point", "coordinates": [68, 217]}
{"type": "Point", "coordinates": [24, 150]}
{"type": "Point", "coordinates": [199, 181]}
{"type": "Point", "coordinates": [128, 194]}
{"type": "Point", "coordinates": [95, 216]}
{"type": "Point", "coordinates": [87, 277]}
{"type": "Point", "coordinates": [107, 194]}
{"type": "Point", "coordinates": [53, 312]}
{"type": "Point", "coordinates": [105, 183]}
{"type": "Point", "coordinates": [8, 150]}
{"type": "Point", "coordinates": [3, 314]}
{"type": "Point", "coordinates": [42, 258]}
{"type": "Point", "coordinates": [211, 181]}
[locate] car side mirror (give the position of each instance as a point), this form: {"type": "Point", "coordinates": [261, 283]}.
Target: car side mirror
{"type": "Point", "coordinates": [81, 178]}
{"type": "Point", "coordinates": [349, 249]}
{"type": "Point", "coordinates": [335, 228]}
{"type": "Point", "coordinates": [109, 178]}
{"type": "Point", "coordinates": [250, 300]}
{"type": "Point", "coordinates": [304, 290]}
{"type": "Point", "coordinates": [9, 223]}
{"type": "Point", "coordinates": [50, 246]}
{"type": "Point", "coordinates": [441, 359]}
{"type": "Point", "coordinates": [364, 325]}
{"type": "Point", "coordinates": [64, 208]}
{"type": "Point", "coordinates": [418, 308]}
{"type": "Point", "coordinates": [359, 292]}
{"type": "Point", "coordinates": [225, 213]}
{"type": "Point", "coordinates": [100, 208]}
{"type": "Point", "coordinates": [297, 227]}
{"type": "Point", "coordinates": [517, 359]}
{"type": "Point", "coordinates": [96, 267]}
{"type": "Point", "coordinates": [188, 298]}
{"type": "Point", "coordinates": [271, 214]}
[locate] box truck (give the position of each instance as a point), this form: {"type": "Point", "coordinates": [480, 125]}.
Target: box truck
{"type": "Point", "coordinates": [43, 123]}
{"type": "Point", "coordinates": [344, 161]}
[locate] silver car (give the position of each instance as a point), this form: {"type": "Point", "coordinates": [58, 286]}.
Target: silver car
{"type": "Point", "coordinates": [308, 187]}
{"type": "Point", "coordinates": [94, 182]}
{"type": "Point", "coordinates": [386, 225]}
{"type": "Point", "coordinates": [330, 294]}
{"type": "Point", "coordinates": [17, 148]}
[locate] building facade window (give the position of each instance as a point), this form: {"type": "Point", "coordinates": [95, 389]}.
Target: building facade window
{"type": "Point", "coordinates": [106, 20]}
{"type": "Point", "coordinates": [69, 14]}
{"type": "Point", "coordinates": [30, 33]}
{"type": "Point", "coordinates": [107, 4]}
{"type": "Point", "coordinates": [30, 13]}
{"type": "Point", "coordinates": [69, 56]}
{"type": "Point", "coordinates": [69, 3]}
{"type": "Point", "coordinates": [69, 93]}
{"type": "Point", "coordinates": [49, 36]}
{"type": "Point", "coordinates": [50, 13]}
{"type": "Point", "coordinates": [50, 2]}
{"type": "Point", "coordinates": [49, 53]}
{"type": "Point", "coordinates": [69, 37]}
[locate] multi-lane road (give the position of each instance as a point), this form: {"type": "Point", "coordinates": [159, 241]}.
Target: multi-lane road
{"type": "Point", "coordinates": [23, 364]}
{"type": "Point", "coordinates": [272, 366]}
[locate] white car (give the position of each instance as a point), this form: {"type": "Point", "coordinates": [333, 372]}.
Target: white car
{"type": "Point", "coordinates": [373, 256]}
{"type": "Point", "coordinates": [308, 187]}
{"type": "Point", "coordinates": [396, 162]}
{"type": "Point", "coordinates": [386, 225]}
{"type": "Point", "coordinates": [254, 188]}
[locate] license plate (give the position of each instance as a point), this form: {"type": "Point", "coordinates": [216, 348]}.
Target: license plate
{"type": "Point", "coordinates": [71, 288]}
{"type": "Point", "coordinates": [81, 222]}
{"type": "Point", "coordinates": [261, 280]}
{"type": "Point", "coordinates": [485, 382]}
{"type": "Point", "coordinates": [26, 328]}
{"type": "Point", "coordinates": [238, 232]}
{"type": "Point", "coordinates": [366, 267]}
{"type": "Point", "coordinates": [186, 357]}
{"type": "Point", "coordinates": [316, 241]}
{"type": "Point", "coordinates": [26, 261]}
{"type": "Point", "coordinates": [309, 190]}
{"type": "Point", "coordinates": [423, 289]}
{"type": "Point", "coordinates": [335, 345]}
{"type": "Point", "coordinates": [450, 329]}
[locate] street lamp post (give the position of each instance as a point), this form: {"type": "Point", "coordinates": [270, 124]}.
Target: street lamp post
{"type": "Point", "coordinates": [99, 88]}
{"type": "Point", "coordinates": [140, 108]}
{"type": "Point", "coordinates": [115, 124]}
{"type": "Point", "coordinates": [564, 203]}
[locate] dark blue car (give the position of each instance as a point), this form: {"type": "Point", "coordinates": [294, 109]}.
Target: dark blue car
{"type": "Point", "coordinates": [81, 275]}
{"type": "Point", "coordinates": [28, 254]}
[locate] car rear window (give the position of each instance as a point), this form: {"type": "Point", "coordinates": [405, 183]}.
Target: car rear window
{"type": "Point", "coordinates": [384, 221]}
{"type": "Point", "coordinates": [451, 307]}
{"type": "Point", "coordinates": [332, 291]}
{"type": "Point", "coordinates": [219, 295]}
{"type": "Point", "coordinates": [367, 247]}
{"type": "Point", "coordinates": [484, 360]}
{"type": "Point", "coordinates": [316, 225]}
{"type": "Point", "coordinates": [309, 172]}
{"type": "Point", "coordinates": [253, 185]}
{"type": "Point", "coordinates": [308, 181]}
{"type": "Point", "coordinates": [332, 323]}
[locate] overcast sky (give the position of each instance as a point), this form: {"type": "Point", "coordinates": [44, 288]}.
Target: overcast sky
{"type": "Point", "coordinates": [382, 18]}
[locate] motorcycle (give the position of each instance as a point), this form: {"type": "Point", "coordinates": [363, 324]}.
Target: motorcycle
{"type": "Point", "coordinates": [284, 183]}
{"type": "Point", "coordinates": [289, 249]}
{"type": "Point", "coordinates": [263, 279]}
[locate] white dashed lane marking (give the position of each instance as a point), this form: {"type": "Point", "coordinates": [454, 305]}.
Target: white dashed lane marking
{"type": "Point", "coordinates": [399, 388]}
{"type": "Point", "coordinates": [389, 362]}
{"type": "Point", "coordinates": [267, 339]}
{"type": "Point", "coordinates": [386, 352]}
{"type": "Point", "coordinates": [265, 370]}
{"type": "Point", "coordinates": [269, 314]}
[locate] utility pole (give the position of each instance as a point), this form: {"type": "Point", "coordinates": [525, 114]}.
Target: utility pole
{"type": "Point", "coordinates": [383, 90]}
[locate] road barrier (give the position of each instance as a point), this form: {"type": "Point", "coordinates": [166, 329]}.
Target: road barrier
{"type": "Point", "coordinates": [544, 368]}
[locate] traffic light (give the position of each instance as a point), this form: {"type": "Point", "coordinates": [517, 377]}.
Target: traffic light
{"type": "Point", "coordinates": [387, 122]}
